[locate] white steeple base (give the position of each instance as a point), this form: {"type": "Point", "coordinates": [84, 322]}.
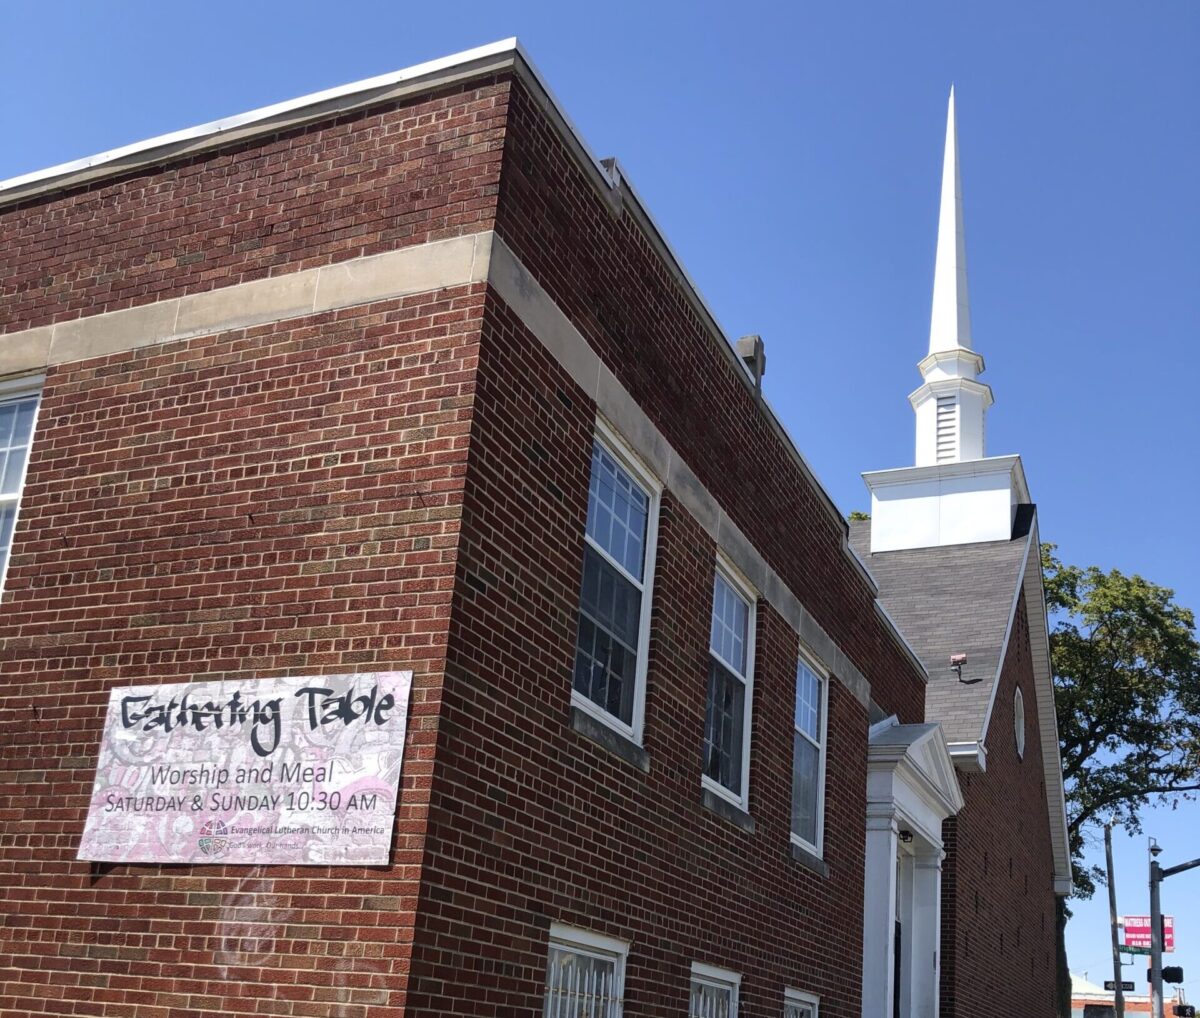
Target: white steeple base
{"type": "Point", "coordinates": [945, 503]}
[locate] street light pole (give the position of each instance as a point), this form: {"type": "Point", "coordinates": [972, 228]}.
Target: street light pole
{"type": "Point", "coordinates": [1156, 944]}
{"type": "Point", "coordinates": [1118, 992]}
{"type": "Point", "coordinates": [1157, 876]}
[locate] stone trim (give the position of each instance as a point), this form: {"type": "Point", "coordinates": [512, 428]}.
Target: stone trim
{"type": "Point", "coordinates": [423, 268]}
{"type": "Point", "coordinates": [727, 810]}
{"type": "Point", "coordinates": [608, 738]}
{"type": "Point", "coordinates": [525, 296]}
{"type": "Point", "coordinates": [417, 269]}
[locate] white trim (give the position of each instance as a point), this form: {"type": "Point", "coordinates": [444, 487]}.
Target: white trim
{"type": "Point", "coordinates": [1008, 630]}
{"type": "Point", "coordinates": [802, 997]}
{"type": "Point", "coordinates": [718, 979]}
{"type": "Point", "coordinates": [586, 942]}
{"type": "Point", "coordinates": [586, 938]}
{"type": "Point", "coordinates": [743, 589]}
{"type": "Point", "coordinates": [618, 448]}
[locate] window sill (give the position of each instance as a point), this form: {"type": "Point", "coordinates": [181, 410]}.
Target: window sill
{"type": "Point", "coordinates": [608, 738]}
{"type": "Point", "coordinates": [727, 810]}
{"type": "Point", "coordinates": [809, 861]}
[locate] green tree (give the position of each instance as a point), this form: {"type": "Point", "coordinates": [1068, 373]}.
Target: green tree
{"type": "Point", "coordinates": [1127, 689]}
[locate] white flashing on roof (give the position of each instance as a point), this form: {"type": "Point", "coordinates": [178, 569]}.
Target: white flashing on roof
{"type": "Point", "coordinates": [215, 128]}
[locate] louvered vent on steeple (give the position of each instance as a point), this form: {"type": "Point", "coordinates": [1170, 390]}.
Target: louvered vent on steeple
{"type": "Point", "coordinates": [947, 428]}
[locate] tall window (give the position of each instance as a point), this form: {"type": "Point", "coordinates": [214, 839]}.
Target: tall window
{"type": "Point", "coordinates": [585, 975]}
{"type": "Point", "coordinates": [614, 611]}
{"type": "Point", "coordinates": [714, 993]}
{"type": "Point", "coordinates": [16, 433]}
{"type": "Point", "coordinates": [727, 717]}
{"type": "Point", "coordinates": [799, 1005]}
{"type": "Point", "coordinates": [808, 758]}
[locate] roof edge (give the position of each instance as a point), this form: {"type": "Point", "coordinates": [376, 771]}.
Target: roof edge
{"type": "Point", "coordinates": [288, 113]}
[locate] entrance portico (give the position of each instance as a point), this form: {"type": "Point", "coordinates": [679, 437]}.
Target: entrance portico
{"type": "Point", "coordinates": [911, 789]}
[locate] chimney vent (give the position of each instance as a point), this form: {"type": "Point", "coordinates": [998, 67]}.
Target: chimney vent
{"type": "Point", "coordinates": [753, 354]}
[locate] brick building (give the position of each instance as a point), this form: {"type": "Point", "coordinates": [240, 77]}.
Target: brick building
{"type": "Point", "coordinates": [400, 377]}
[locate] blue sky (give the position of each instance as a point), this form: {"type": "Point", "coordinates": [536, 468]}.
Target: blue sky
{"type": "Point", "coordinates": [792, 158]}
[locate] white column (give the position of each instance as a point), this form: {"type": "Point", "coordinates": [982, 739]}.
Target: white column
{"type": "Point", "coordinates": [906, 905]}
{"type": "Point", "coordinates": [926, 932]}
{"type": "Point", "coordinates": [879, 912]}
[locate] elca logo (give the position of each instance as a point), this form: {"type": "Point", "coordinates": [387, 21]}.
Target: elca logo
{"type": "Point", "coordinates": [214, 838]}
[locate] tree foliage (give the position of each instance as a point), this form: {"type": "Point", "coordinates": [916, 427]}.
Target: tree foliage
{"type": "Point", "coordinates": [1127, 688]}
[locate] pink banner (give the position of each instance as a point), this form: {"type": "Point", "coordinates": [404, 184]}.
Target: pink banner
{"type": "Point", "coordinates": [299, 771]}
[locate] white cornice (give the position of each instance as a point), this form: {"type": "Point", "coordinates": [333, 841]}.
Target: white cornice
{"type": "Point", "coordinates": [960, 354]}
{"type": "Point", "coordinates": [961, 468]}
{"type": "Point", "coordinates": [947, 387]}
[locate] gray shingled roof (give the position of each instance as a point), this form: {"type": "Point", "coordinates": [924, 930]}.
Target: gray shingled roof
{"type": "Point", "coordinates": [952, 600]}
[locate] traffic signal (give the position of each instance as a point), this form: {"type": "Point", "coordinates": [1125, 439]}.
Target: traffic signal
{"type": "Point", "coordinates": [1172, 974]}
{"type": "Point", "coordinates": [1184, 1011]}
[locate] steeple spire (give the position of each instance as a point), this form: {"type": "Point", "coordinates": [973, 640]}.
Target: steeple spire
{"type": "Point", "coordinates": [951, 404]}
{"type": "Point", "coordinates": [950, 323]}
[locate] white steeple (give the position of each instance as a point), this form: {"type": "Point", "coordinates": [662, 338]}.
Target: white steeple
{"type": "Point", "coordinates": [954, 494]}
{"type": "Point", "coordinates": [951, 404]}
{"type": "Point", "coordinates": [950, 324]}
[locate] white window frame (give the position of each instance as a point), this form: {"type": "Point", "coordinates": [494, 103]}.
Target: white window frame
{"type": "Point", "coordinates": [1019, 722]}
{"type": "Point", "coordinates": [719, 978]}
{"type": "Point", "coordinates": [616, 447]}
{"type": "Point", "coordinates": [12, 389]}
{"type": "Point", "coordinates": [803, 999]}
{"type": "Point", "coordinates": [822, 673]}
{"type": "Point", "coordinates": [597, 946]}
{"type": "Point", "coordinates": [728, 572]}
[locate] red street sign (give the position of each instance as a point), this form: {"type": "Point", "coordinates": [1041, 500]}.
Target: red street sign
{"type": "Point", "coordinates": [1135, 932]}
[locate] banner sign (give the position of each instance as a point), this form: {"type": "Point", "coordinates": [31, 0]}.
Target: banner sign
{"type": "Point", "coordinates": [295, 771]}
{"type": "Point", "coordinates": [1135, 932]}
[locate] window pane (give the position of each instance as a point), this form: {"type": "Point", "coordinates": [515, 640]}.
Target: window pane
{"type": "Point", "coordinates": [618, 511]}
{"type": "Point", "coordinates": [709, 1001]}
{"type": "Point", "coordinates": [808, 702]}
{"type": "Point", "coordinates": [806, 763]}
{"type": "Point", "coordinates": [610, 599]}
{"type": "Point", "coordinates": [580, 985]}
{"type": "Point", "coordinates": [723, 727]}
{"type": "Point", "coordinates": [607, 640]}
{"type": "Point", "coordinates": [793, 1010]}
{"type": "Point", "coordinates": [730, 620]}
{"type": "Point", "coordinates": [605, 671]}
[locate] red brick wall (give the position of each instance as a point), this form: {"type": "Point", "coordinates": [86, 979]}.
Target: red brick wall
{"type": "Point", "coordinates": [283, 500]}
{"type": "Point", "coordinates": [372, 181]}
{"type": "Point", "coordinates": [998, 953]}
{"type": "Point", "coordinates": [532, 823]}
{"type": "Point", "coordinates": [603, 273]}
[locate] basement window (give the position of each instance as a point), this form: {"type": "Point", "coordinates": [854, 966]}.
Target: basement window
{"type": "Point", "coordinates": [714, 992]}
{"type": "Point", "coordinates": [797, 1004]}
{"type": "Point", "coordinates": [585, 974]}
{"type": "Point", "coordinates": [613, 639]}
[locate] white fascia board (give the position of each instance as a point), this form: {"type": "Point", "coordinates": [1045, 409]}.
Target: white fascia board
{"type": "Point", "coordinates": [968, 757]}
{"type": "Point", "coordinates": [960, 468]}
{"type": "Point", "coordinates": [214, 129]}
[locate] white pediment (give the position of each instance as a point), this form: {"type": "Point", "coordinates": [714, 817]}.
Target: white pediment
{"type": "Point", "coordinates": [910, 773]}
